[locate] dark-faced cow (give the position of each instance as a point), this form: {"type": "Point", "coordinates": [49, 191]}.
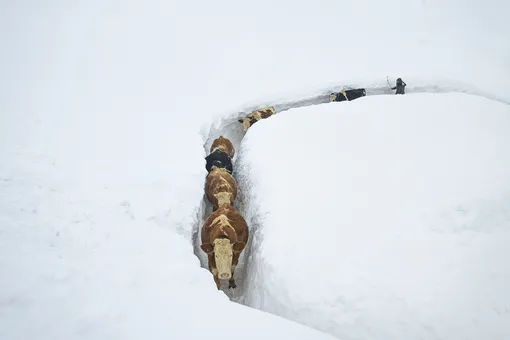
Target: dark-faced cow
{"type": "Point", "coordinates": [224, 236]}
{"type": "Point", "coordinates": [222, 151]}
{"type": "Point", "coordinates": [255, 116]}
{"type": "Point", "coordinates": [347, 95]}
{"type": "Point", "coordinates": [220, 188]}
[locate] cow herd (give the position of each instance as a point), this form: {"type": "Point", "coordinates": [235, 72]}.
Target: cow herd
{"type": "Point", "coordinates": [255, 116]}
{"type": "Point", "coordinates": [225, 232]}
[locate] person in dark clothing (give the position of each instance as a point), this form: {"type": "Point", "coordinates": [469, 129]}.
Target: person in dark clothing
{"type": "Point", "coordinates": [400, 86]}
{"type": "Point", "coordinates": [220, 159]}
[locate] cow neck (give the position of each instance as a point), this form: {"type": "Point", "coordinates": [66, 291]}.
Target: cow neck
{"type": "Point", "coordinates": [219, 172]}
{"type": "Point", "coordinates": [220, 149]}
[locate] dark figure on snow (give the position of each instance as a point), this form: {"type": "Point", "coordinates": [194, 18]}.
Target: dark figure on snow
{"type": "Point", "coordinates": [400, 86]}
{"type": "Point", "coordinates": [220, 159]}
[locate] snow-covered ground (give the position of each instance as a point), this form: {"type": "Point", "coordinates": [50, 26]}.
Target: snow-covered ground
{"type": "Point", "coordinates": [96, 227]}
{"type": "Point", "coordinates": [387, 217]}
{"type": "Point", "coordinates": [106, 109]}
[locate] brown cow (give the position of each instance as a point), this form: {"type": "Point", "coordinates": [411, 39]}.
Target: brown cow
{"type": "Point", "coordinates": [223, 144]}
{"type": "Point", "coordinates": [220, 187]}
{"type": "Point", "coordinates": [255, 116]}
{"type": "Point", "coordinates": [224, 236]}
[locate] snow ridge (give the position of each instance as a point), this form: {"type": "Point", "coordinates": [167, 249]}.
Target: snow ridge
{"type": "Point", "coordinates": [230, 128]}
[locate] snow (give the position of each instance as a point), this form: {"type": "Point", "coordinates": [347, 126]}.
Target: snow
{"type": "Point", "coordinates": [97, 225]}
{"type": "Point", "coordinates": [107, 110]}
{"type": "Point", "coordinates": [386, 217]}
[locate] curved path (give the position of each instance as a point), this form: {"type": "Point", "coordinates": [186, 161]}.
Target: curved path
{"type": "Point", "coordinates": [229, 127]}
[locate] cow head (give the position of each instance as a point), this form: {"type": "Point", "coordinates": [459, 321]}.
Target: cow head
{"type": "Point", "coordinates": [223, 252]}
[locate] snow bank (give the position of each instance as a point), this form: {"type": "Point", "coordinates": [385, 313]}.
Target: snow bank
{"type": "Point", "coordinates": [387, 217]}
{"type": "Point", "coordinates": [96, 225]}
{"type": "Point", "coordinates": [200, 58]}
{"type": "Point", "coordinates": [101, 162]}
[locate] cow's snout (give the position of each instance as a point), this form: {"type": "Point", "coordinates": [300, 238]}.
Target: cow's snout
{"type": "Point", "coordinates": [224, 276]}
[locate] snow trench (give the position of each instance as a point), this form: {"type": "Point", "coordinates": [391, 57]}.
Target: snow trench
{"type": "Point", "coordinates": [229, 127]}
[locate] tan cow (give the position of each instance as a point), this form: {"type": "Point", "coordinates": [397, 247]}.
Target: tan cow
{"type": "Point", "coordinates": [223, 144]}
{"type": "Point", "coordinates": [255, 116]}
{"type": "Point", "coordinates": [224, 236]}
{"type": "Point", "coordinates": [220, 187]}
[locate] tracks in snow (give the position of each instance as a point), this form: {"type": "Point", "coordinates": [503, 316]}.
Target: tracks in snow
{"type": "Point", "coordinates": [230, 128]}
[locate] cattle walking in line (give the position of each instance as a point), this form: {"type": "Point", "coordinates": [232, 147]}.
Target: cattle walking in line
{"type": "Point", "coordinates": [224, 237]}
{"type": "Point", "coordinates": [347, 95]}
{"type": "Point", "coordinates": [222, 151]}
{"type": "Point", "coordinates": [220, 188]}
{"type": "Point", "coordinates": [255, 116]}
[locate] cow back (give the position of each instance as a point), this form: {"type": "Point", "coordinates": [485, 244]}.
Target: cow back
{"type": "Point", "coordinates": [238, 222]}
{"type": "Point", "coordinates": [223, 144]}
{"type": "Point", "coordinates": [257, 115]}
{"type": "Point", "coordinates": [267, 112]}
{"type": "Point", "coordinates": [211, 231]}
{"type": "Point", "coordinates": [354, 94]}
{"type": "Point", "coordinates": [220, 181]}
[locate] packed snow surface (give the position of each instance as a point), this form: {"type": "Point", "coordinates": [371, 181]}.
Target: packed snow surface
{"type": "Point", "coordinates": [105, 109]}
{"type": "Point", "coordinates": [387, 217]}
{"type": "Point", "coordinates": [96, 232]}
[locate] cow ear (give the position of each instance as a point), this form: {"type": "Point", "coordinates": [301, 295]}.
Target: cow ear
{"type": "Point", "coordinates": [207, 248]}
{"type": "Point", "coordinates": [238, 246]}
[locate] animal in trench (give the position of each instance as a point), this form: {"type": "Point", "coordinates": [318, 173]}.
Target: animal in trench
{"type": "Point", "coordinates": [223, 144]}
{"type": "Point", "coordinates": [255, 116]}
{"type": "Point", "coordinates": [347, 95]}
{"type": "Point", "coordinates": [224, 237]}
{"type": "Point", "coordinates": [222, 151]}
{"type": "Point", "coordinates": [220, 187]}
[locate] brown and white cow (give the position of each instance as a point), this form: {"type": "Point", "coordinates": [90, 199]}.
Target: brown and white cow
{"type": "Point", "coordinates": [224, 236]}
{"type": "Point", "coordinates": [220, 187]}
{"type": "Point", "coordinates": [255, 116]}
{"type": "Point", "coordinates": [223, 144]}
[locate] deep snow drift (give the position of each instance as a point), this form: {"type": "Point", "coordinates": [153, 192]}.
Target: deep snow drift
{"type": "Point", "coordinates": [101, 160]}
{"type": "Point", "coordinates": [383, 218]}
{"type": "Point", "coordinates": [96, 235]}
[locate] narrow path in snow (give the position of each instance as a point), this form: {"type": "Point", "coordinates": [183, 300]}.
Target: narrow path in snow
{"type": "Point", "coordinates": [230, 128]}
